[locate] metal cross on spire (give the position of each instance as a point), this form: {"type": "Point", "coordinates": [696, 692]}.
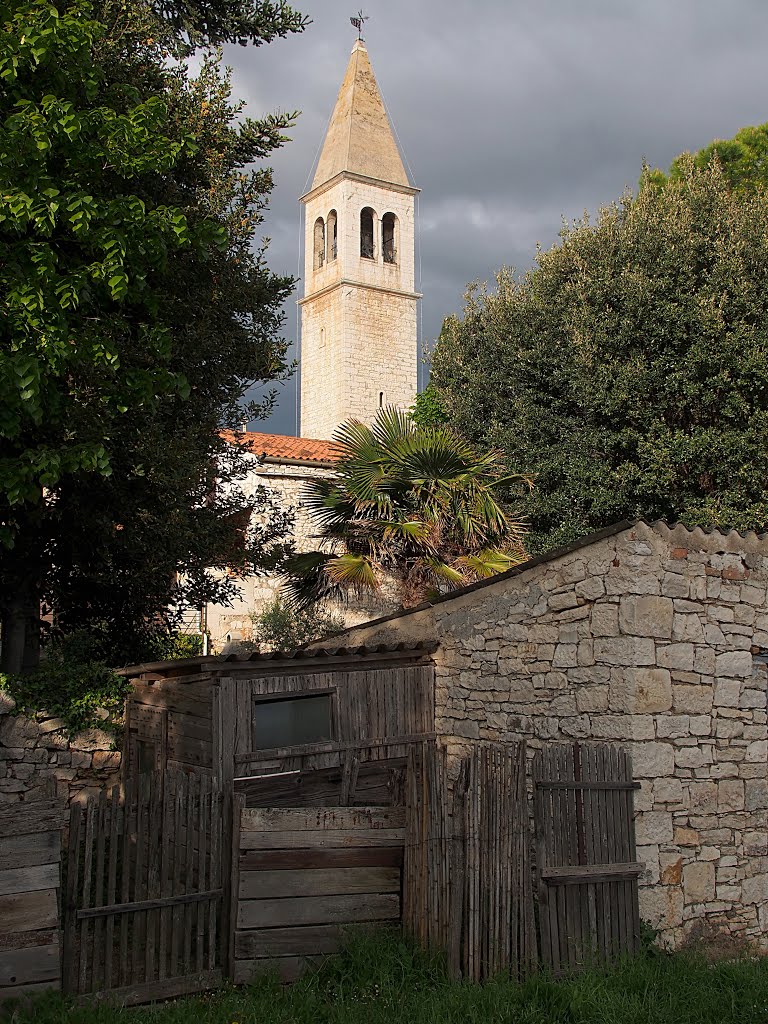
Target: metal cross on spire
{"type": "Point", "coordinates": [358, 23]}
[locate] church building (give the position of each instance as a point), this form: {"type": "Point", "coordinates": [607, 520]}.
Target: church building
{"type": "Point", "coordinates": [358, 319]}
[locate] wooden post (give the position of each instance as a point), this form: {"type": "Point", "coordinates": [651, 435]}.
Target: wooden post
{"type": "Point", "coordinates": [228, 940]}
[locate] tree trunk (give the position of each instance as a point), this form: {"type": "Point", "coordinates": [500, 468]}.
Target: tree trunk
{"type": "Point", "coordinates": [20, 649]}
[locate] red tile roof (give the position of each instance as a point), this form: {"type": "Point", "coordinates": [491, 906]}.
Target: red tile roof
{"type": "Point", "coordinates": [280, 447]}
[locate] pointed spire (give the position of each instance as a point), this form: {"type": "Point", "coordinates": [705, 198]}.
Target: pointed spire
{"type": "Point", "coordinates": [360, 138]}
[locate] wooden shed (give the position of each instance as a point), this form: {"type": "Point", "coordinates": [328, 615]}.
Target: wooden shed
{"type": "Point", "coordinates": [248, 718]}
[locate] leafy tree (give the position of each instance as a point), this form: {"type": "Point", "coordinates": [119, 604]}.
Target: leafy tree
{"type": "Point", "coordinates": [406, 503]}
{"type": "Point", "coordinates": [628, 372]}
{"type": "Point", "coordinates": [282, 627]}
{"type": "Point", "coordinates": [427, 409]}
{"type": "Point", "coordinates": [743, 159]}
{"type": "Point", "coordinates": [135, 311]}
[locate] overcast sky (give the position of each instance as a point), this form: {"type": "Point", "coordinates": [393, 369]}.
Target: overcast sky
{"type": "Point", "coordinates": [511, 116]}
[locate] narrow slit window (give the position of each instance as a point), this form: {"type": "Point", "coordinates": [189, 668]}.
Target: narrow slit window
{"type": "Point", "coordinates": [366, 234]}
{"type": "Point", "coordinates": [331, 231]}
{"type": "Point", "coordinates": [292, 721]}
{"type": "Point", "coordinates": [388, 237]}
{"type": "Point", "coordinates": [319, 243]}
{"type": "Point", "coordinates": [381, 399]}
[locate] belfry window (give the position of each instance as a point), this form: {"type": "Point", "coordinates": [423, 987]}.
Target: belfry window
{"type": "Point", "coordinates": [388, 248]}
{"type": "Point", "coordinates": [366, 234]}
{"type": "Point", "coordinates": [319, 243]}
{"type": "Point", "coordinates": [331, 231]}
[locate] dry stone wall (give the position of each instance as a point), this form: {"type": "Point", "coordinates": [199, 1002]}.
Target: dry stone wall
{"type": "Point", "coordinates": [39, 760]}
{"type": "Point", "coordinates": [655, 638]}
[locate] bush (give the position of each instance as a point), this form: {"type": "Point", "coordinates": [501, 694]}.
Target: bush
{"type": "Point", "coordinates": [281, 627]}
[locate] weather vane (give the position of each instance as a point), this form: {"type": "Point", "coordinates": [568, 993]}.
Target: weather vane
{"type": "Point", "coordinates": [358, 23]}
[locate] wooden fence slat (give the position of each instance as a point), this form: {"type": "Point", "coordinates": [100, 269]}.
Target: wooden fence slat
{"type": "Point", "coordinates": [70, 898]}
{"type": "Point", "coordinates": [109, 936]}
{"type": "Point", "coordinates": [86, 975]}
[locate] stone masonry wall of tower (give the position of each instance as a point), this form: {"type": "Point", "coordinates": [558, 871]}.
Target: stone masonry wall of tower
{"type": "Point", "coordinates": [359, 311]}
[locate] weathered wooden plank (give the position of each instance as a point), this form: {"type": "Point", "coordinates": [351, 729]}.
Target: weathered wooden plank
{"type": "Point", "coordinates": [288, 860]}
{"type": "Point", "coordinates": [318, 910]}
{"type": "Point", "coordinates": [193, 700]}
{"type": "Point", "coordinates": [322, 882]}
{"type": "Point", "coordinates": [601, 784]}
{"type": "Point", "coordinates": [297, 941]}
{"type": "Point", "coordinates": [238, 806]}
{"type": "Point", "coordinates": [24, 992]}
{"type": "Point", "coordinates": [36, 816]}
{"type": "Point", "coordinates": [28, 879]}
{"type": "Point", "coordinates": [29, 850]}
{"type": "Point", "coordinates": [330, 747]}
{"type": "Point", "coordinates": [261, 819]}
{"type": "Point", "coordinates": [30, 965]}
{"type": "Point", "coordinates": [169, 988]}
{"type": "Point", "coordinates": [287, 968]}
{"type": "Point", "coordinates": [322, 839]}
{"type": "Point", "coordinates": [580, 873]}
{"type": "Point", "coordinates": [21, 940]}
{"type": "Point", "coordinates": [29, 911]}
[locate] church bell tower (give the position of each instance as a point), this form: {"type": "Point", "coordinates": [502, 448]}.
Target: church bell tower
{"type": "Point", "coordinates": [359, 311]}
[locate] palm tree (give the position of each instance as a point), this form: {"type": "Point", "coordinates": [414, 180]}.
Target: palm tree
{"type": "Point", "coordinates": [409, 503]}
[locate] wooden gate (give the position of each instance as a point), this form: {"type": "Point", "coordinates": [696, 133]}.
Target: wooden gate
{"type": "Point", "coordinates": [305, 873]}
{"type": "Point", "coordinates": [585, 853]}
{"type": "Point", "coordinates": [144, 890]}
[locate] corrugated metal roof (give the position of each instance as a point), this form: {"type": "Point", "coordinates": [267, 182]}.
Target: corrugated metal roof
{"type": "Point", "coordinates": [220, 663]}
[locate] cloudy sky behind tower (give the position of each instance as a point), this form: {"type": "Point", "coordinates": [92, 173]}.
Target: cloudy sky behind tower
{"type": "Point", "coordinates": [512, 116]}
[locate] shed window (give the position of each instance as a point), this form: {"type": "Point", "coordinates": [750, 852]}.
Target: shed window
{"type": "Point", "coordinates": [366, 234]}
{"type": "Point", "coordinates": [290, 721]}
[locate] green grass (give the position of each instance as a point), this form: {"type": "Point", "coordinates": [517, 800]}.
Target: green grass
{"type": "Point", "coordinates": [384, 979]}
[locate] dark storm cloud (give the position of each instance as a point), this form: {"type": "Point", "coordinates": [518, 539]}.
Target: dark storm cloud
{"type": "Point", "coordinates": [512, 116]}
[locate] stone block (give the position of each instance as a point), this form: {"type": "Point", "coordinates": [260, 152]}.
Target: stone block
{"type": "Point", "coordinates": [646, 616]}
{"type": "Point", "coordinates": [756, 794]}
{"type": "Point", "coordinates": [590, 589]}
{"type": "Point", "coordinates": [753, 699]}
{"type": "Point", "coordinates": [676, 656]}
{"type": "Point", "coordinates": [730, 795]}
{"type": "Point", "coordinates": [701, 725]}
{"type": "Point", "coordinates": [649, 856]}
{"type": "Point", "coordinates": [691, 699]}
{"type": "Point", "coordinates": [17, 731]}
{"type": "Point", "coordinates": [734, 664]}
{"type": "Point", "coordinates": [662, 906]}
{"type": "Point", "coordinates": [586, 653]}
{"type": "Point", "coordinates": [653, 827]}
{"type": "Point", "coordinates": [671, 868]}
{"type": "Point", "coordinates": [625, 650]}
{"type": "Point", "coordinates": [703, 797]}
{"type": "Point", "coordinates": [693, 757]}
{"type": "Point", "coordinates": [559, 602]}
{"type": "Point", "coordinates": [566, 656]}
{"type": "Point", "coordinates": [757, 752]}
{"type": "Point", "coordinates": [755, 890]}
{"type": "Point", "coordinates": [704, 660]}
{"type": "Point", "coordinates": [653, 760]}
{"type": "Point", "coordinates": [641, 691]}
{"type": "Point", "coordinates": [727, 693]}
{"type": "Point", "coordinates": [688, 627]}
{"type": "Point", "coordinates": [668, 791]}
{"type": "Point", "coordinates": [673, 726]}
{"type": "Point", "coordinates": [592, 698]}
{"type": "Point", "coordinates": [685, 836]}
{"type": "Point", "coordinates": [675, 584]}
{"type": "Point", "coordinates": [605, 620]}
{"type": "Point", "coordinates": [699, 882]}
{"type": "Point", "coordinates": [91, 739]}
